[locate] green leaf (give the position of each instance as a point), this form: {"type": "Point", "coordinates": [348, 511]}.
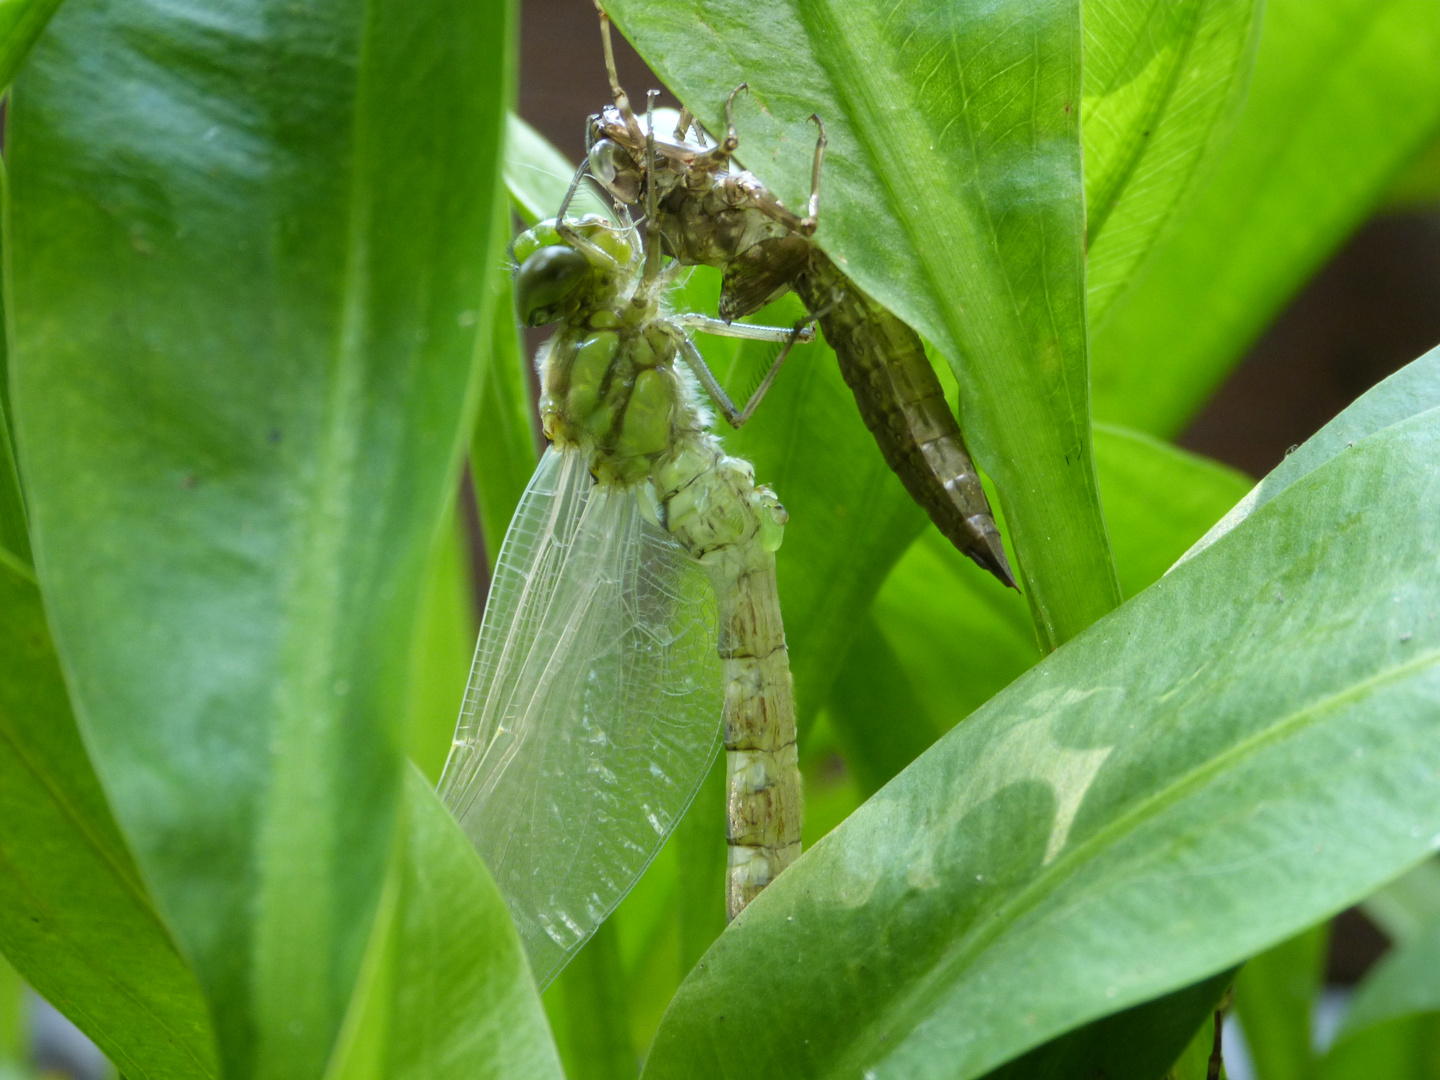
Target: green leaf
{"type": "Point", "coordinates": [1406, 981]}
{"type": "Point", "coordinates": [446, 992]}
{"type": "Point", "coordinates": [1243, 749]}
{"type": "Point", "coordinates": [1344, 94]}
{"type": "Point", "coordinates": [75, 917]}
{"type": "Point", "coordinates": [21, 23]}
{"type": "Point", "coordinates": [961, 638]}
{"type": "Point", "coordinates": [1275, 996]}
{"type": "Point", "coordinates": [1163, 80]}
{"type": "Point", "coordinates": [1412, 390]}
{"type": "Point", "coordinates": [249, 245]}
{"type": "Point", "coordinates": [952, 193]}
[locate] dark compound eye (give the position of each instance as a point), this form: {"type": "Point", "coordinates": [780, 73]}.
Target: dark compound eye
{"type": "Point", "coordinates": [546, 278]}
{"type": "Point", "coordinates": [616, 170]}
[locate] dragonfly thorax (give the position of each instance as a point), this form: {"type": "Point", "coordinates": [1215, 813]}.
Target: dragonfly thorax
{"type": "Point", "coordinates": [609, 384]}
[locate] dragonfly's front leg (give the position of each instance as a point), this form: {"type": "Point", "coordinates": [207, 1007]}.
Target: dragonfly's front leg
{"type": "Point", "coordinates": [804, 330]}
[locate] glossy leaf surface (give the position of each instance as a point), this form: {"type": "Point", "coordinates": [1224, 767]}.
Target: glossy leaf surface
{"type": "Point", "coordinates": [1344, 93]}
{"type": "Point", "coordinates": [1028, 872]}
{"type": "Point", "coordinates": [952, 193]}
{"type": "Point", "coordinates": [241, 370]}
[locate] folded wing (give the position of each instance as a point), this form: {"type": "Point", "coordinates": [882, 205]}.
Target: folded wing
{"type": "Point", "coordinates": [593, 709]}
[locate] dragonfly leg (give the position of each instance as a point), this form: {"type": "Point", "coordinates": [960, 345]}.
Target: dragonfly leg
{"type": "Point", "coordinates": [652, 232]}
{"type": "Point", "coordinates": [749, 331]}
{"type": "Point", "coordinates": [622, 101]}
{"type": "Point", "coordinates": [719, 155]}
{"type": "Point", "coordinates": [812, 210]}
{"type": "Point", "coordinates": [574, 187]}
{"type": "Point", "coordinates": [733, 416]}
{"type": "Point", "coordinates": [682, 125]}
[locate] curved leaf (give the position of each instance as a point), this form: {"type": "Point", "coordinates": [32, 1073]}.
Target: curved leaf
{"type": "Point", "coordinates": [1344, 93]}
{"type": "Point", "coordinates": [75, 918]}
{"type": "Point", "coordinates": [952, 193]}
{"type": "Point", "coordinates": [250, 240]}
{"type": "Point", "coordinates": [1243, 749]}
{"type": "Point", "coordinates": [446, 992]}
{"type": "Point", "coordinates": [1412, 390]}
{"type": "Point", "coordinates": [1162, 83]}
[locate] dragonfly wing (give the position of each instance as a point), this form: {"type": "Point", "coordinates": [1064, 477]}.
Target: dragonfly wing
{"type": "Point", "coordinates": [593, 710]}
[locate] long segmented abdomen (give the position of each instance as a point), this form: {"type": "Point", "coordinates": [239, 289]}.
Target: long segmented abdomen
{"type": "Point", "coordinates": [900, 399]}
{"type": "Point", "coordinates": [713, 507]}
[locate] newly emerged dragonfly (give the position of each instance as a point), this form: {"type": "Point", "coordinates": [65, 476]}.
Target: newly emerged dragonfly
{"type": "Point", "coordinates": [633, 623]}
{"type": "Point", "coordinates": [709, 215]}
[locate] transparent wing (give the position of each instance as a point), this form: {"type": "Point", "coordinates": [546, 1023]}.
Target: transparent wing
{"type": "Point", "coordinates": [593, 710]}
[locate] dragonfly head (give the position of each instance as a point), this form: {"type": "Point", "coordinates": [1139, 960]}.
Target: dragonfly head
{"type": "Point", "coordinates": [554, 272]}
{"type": "Point", "coordinates": [545, 280]}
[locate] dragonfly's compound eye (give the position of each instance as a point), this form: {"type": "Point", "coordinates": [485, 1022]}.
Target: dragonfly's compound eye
{"type": "Point", "coordinates": [544, 279]}
{"type": "Point", "coordinates": [613, 166]}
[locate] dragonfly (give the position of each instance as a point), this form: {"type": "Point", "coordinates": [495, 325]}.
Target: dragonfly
{"type": "Point", "coordinates": [709, 214]}
{"type": "Point", "coordinates": [633, 621]}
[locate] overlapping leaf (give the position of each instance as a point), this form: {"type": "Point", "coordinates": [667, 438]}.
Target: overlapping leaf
{"type": "Point", "coordinates": [251, 250]}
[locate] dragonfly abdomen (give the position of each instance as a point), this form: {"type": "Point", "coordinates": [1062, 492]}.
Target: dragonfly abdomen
{"type": "Point", "coordinates": [716, 511]}
{"type": "Point", "coordinates": [901, 401]}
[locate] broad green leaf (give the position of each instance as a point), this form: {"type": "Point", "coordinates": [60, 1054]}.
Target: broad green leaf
{"type": "Point", "coordinates": [961, 638]}
{"type": "Point", "coordinates": [1412, 390]}
{"type": "Point", "coordinates": [1243, 749]}
{"type": "Point", "coordinates": [952, 193]}
{"type": "Point", "coordinates": [446, 992]}
{"type": "Point", "coordinates": [249, 243]}
{"type": "Point", "coordinates": [1163, 79]}
{"type": "Point", "coordinates": [1344, 93]}
{"type": "Point", "coordinates": [1275, 996]}
{"type": "Point", "coordinates": [75, 917]}
{"type": "Point", "coordinates": [21, 23]}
